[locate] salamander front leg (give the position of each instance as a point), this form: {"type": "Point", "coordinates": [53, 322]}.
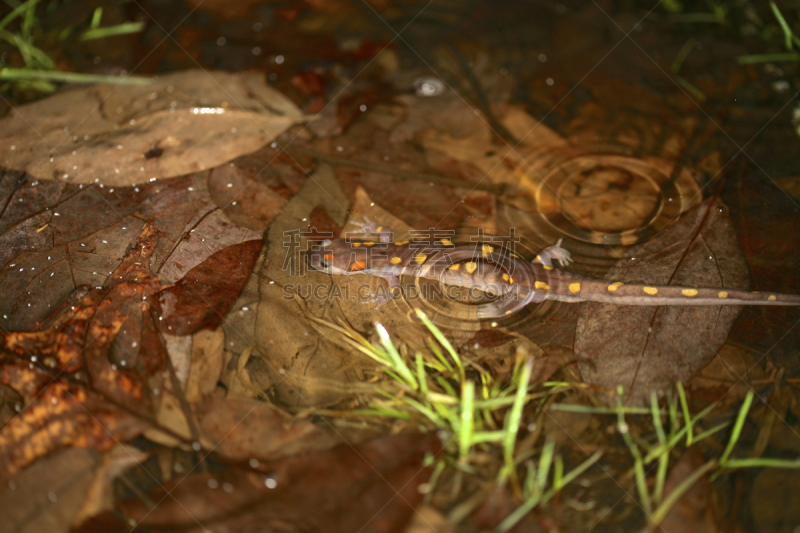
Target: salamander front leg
{"type": "Point", "coordinates": [384, 295]}
{"type": "Point", "coordinates": [554, 253]}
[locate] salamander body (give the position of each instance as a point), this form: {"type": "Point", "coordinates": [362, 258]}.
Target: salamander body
{"type": "Point", "coordinates": [514, 281]}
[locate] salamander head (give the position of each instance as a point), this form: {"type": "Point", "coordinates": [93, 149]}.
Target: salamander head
{"type": "Point", "coordinates": [329, 258]}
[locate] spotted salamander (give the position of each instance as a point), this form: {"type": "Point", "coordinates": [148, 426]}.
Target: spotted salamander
{"type": "Point", "coordinates": [515, 282]}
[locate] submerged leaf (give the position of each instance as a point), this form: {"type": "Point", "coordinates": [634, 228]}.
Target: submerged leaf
{"type": "Point", "coordinates": [648, 348]}
{"type": "Point", "coordinates": [184, 122]}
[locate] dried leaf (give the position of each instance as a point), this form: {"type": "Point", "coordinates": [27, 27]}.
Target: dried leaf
{"type": "Point", "coordinates": [370, 487]}
{"type": "Point", "coordinates": [207, 365]}
{"type": "Point", "coordinates": [48, 495]}
{"type": "Point", "coordinates": [693, 512]}
{"type": "Point", "coordinates": [202, 299]}
{"type": "Point", "coordinates": [183, 122]}
{"type": "Point", "coordinates": [62, 415]}
{"type": "Point", "coordinates": [242, 429]}
{"type": "Point", "coordinates": [646, 348]}
{"type": "Point", "coordinates": [773, 500]}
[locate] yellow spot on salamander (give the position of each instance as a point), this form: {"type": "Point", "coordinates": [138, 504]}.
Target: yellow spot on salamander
{"type": "Point", "coordinates": [508, 312]}
{"type": "Point", "coordinates": [486, 249]}
{"type": "Point", "coordinates": [574, 287]}
{"type": "Point", "coordinates": [689, 292]}
{"type": "Point", "coordinates": [447, 242]}
{"type": "Point", "coordinates": [471, 266]}
{"type": "Point", "coordinates": [400, 243]}
{"type": "Point", "coordinates": [547, 267]}
{"type": "Point", "coordinates": [455, 267]}
{"type": "Point", "coordinates": [515, 256]}
{"type": "Point", "coordinates": [508, 278]}
{"type": "Point", "coordinates": [772, 298]}
{"type": "Point", "coordinates": [537, 259]}
{"type": "Point", "coordinates": [614, 286]}
{"type": "Point", "coordinates": [722, 294]}
{"type": "Point", "coordinates": [356, 244]}
{"type": "Point", "coordinates": [420, 258]}
{"type": "Point", "coordinates": [652, 291]}
{"type": "Point", "coordinates": [379, 229]}
{"type": "Point", "coordinates": [395, 260]}
{"type": "Point", "coordinates": [369, 243]}
{"type": "Point", "coordinates": [541, 285]}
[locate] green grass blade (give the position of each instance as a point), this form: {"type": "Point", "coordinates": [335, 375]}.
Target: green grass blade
{"type": "Point", "coordinates": [69, 77]}
{"type": "Point", "coordinates": [787, 31]}
{"type": "Point", "coordinates": [675, 495]}
{"type": "Point", "coordinates": [687, 417]}
{"type": "Point", "coordinates": [762, 462]}
{"type": "Point", "coordinates": [737, 427]}
{"type": "Point", "coordinates": [125, 28]}
{"type": "Point", "coordinates": [514, 418]}
{"type": "Point", "coordinates": [96, 18]}
{"type": "Point", "coordinates": [17, 11]}
{"type": "Point", "coordinates": [768, 58]}
{"type": "Point", "coordinates": [443, 341]}
{"type": "Point", "coordinates": [467, 422]}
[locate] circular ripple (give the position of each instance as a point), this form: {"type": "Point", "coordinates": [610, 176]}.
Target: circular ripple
{"type": "Point", "coordinates": [613, 199]}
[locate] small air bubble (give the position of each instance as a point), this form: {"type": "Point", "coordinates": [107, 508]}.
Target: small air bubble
{"type": "Point", "coordinates": [196, 446]}
{"type": "Point", "coordinates": [213, 483]}
{"type": "Point", "coordinates": [221, 41]}
{"type": "Point", "coordinates": [270, 482]}
{"type": "Point", "coordinates": [256, 51]}
{"type": "Point", "coordinates": [549, 81]}
{"type": "Point", "coordinates": [279, 60]}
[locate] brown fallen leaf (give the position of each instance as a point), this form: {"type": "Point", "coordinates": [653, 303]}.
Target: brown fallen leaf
{"type": "Point", "coordinates": [253, 189]}
{"type": "Point", "coordinates": [773, 499]}
{"type": "Point", "coordinates": [56, 237]}
{"type": "Point", "coordinates": [648, 348]}
{"type": "Point", "coordinates": [62, 415]}
{"type": "Point", "coordinates": [242, 429]}
{"type": "Point", "coordinates": [203, 297]}
{"type": "Point", "coordinates": [183, 122]}
{"type": "Point", "coordinates": [207, 364]}
{"type": "Point", "coordinates": [370, 487]}
{"type": "Point", "coordinates": [693, 512]}
{"type": "Point", "coordinates": [48, 495]}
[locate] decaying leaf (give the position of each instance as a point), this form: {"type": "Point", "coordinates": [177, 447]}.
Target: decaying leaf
{"type": "Point", "coordinates": [369, 487]}
{"type": "Point", "coordinates": [646, 348]}
{"type": "Point", "coordinates": [242, 429]}
{"type": "Point", "coordinates": [773, 499]}
{"type": "Point", "coordinates": [48, 495]}
{"type": "Point", "coordinates": [693, 512]}
{"type": "Point", "coordinates": [203, 297]}
{"type": "Point", "coordinates": [183, 122]}
{"type": "Point", "coordinates": [302, 367]}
